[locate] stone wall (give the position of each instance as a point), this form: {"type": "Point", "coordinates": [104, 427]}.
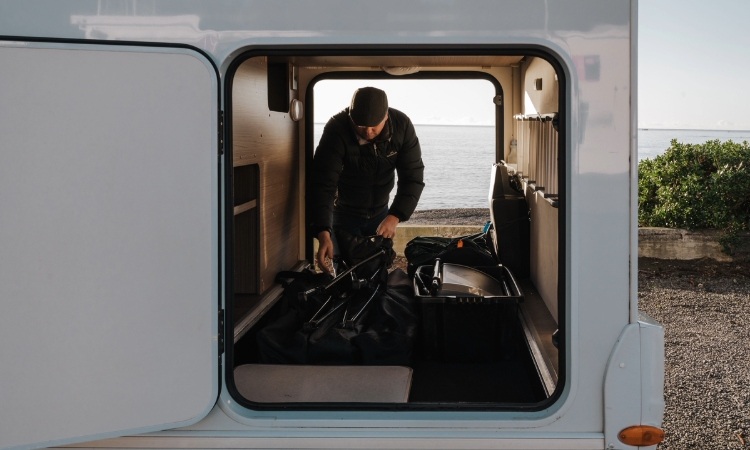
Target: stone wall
{"type": "Point", "coordinates": [672, 243]}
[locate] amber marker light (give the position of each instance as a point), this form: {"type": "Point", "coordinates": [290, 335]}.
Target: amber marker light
{"type": "Point", "coordinates": [641, 435]}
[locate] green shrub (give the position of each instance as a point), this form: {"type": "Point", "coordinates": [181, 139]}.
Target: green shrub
{"type": "Point", "coordinates": [697, 186]}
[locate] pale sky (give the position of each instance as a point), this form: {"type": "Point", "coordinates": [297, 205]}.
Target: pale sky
{"type": "Point", "coordinates": [693, 72]}
{"type": "Point", "coordinates": [694, 64]}
{"type": "Point", "coordinates": [469, 102]}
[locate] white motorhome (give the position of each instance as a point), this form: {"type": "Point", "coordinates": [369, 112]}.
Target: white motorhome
{"type": "Point", "coordinates": [153, 162]}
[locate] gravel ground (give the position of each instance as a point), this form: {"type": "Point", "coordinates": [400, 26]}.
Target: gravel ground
{"type": "Point", "coordinates": [704, 307]}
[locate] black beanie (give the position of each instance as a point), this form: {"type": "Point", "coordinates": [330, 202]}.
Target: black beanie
{"type": "Point", "coordinates": [369, 107]}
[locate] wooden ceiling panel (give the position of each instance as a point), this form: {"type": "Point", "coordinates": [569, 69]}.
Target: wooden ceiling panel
{"type": "Point", "coordinates": [424, 61]}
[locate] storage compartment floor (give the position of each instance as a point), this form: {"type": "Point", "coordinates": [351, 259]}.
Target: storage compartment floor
{"type": "Point", "coordinates": [495, 382]}
{"type": "Point", "coordinates": [508, 378]}
{"type": "Point", "coordinates": [501, 382]}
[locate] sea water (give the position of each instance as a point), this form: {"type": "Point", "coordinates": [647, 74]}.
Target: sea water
{"type": "Point", "coordinates": [653, 142]}
{"type": "Point", "coordinates": [458, 159]}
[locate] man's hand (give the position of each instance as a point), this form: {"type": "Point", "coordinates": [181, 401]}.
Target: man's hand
{"type": "Point", "coordinates": [325, 252]}
{"type": "Point", "coordinates": [387, 227]}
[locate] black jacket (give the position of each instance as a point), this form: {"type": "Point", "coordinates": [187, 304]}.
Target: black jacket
{"type": "Point", "coordinates": [358, 179]}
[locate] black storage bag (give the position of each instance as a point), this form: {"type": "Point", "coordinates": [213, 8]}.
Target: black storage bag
{"type": "Point", "coordinates": [471, 250]}
{"type": "Point", "coordinates": [380, 324]}
{"type": "Point", "coordinates": [354, 249]}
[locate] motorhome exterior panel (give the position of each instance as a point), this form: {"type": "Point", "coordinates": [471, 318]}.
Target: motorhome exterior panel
{"type": "Point", "coordinates": [573, 59]}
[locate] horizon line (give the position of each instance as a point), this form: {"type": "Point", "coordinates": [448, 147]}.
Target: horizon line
{"type": "Point", "coordinates": [639, 128]}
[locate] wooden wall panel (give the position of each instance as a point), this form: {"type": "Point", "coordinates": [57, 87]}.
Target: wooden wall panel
{"type": "Point", "coordinates": [269, 139]}
{"type": "Point", "coordinates": [544, 248]}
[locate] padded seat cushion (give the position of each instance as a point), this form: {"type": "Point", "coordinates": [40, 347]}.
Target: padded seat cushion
{"type": "Point", "coordinates": [270, 383]}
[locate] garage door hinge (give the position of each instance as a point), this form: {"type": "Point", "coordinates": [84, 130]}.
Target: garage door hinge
{"type": "Point", "coordinates": [221, 332]}
{"type": "Point", "coordinates": [221, 133]}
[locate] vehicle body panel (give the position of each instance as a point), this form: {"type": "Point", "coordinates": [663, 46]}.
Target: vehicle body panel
{"type": "Point", "coordinates": [592, 44]}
